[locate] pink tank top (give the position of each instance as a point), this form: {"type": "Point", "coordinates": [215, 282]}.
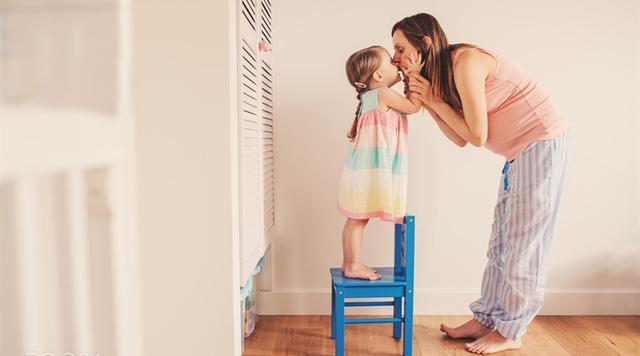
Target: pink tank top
{"type": "Point", "coordinates": [519, 111]}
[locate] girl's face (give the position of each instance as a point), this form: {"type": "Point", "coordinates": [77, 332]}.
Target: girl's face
{"type": "Point", "coordinates": [388, 71]}
{"type": "Point", "coordinates": [402, 49]}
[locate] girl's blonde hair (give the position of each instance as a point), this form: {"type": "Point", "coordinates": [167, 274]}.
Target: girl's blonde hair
{"type": "Point", "coordinates": [360, 67]}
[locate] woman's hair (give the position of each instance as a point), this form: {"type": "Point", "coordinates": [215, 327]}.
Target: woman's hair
{"type": "Point", "coordinates": [360, 67]}
{"type": "Point", "coordinates": [438, 68]}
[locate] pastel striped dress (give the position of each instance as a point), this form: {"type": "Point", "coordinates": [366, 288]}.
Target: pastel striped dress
{"type": "Point", "coordinates": [374, 177]}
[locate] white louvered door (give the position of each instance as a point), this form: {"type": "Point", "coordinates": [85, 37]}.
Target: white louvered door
{"type": "Point", "coordinates": [266, 79]}
{"type": "Point", "coordinates": [256, 132]}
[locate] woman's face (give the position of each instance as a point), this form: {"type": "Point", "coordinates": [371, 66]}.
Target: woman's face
{"type": "Point", "coordinates": [402, 49]}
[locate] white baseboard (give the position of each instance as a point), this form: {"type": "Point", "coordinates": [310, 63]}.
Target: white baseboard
{"type": "Point", "coordinates": [443, 302]}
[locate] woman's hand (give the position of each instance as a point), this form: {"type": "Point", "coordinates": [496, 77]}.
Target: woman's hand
{"type": "Point", "coordinates": [421, 87]}
{"type": "Point", "coordinates": [415, 98]}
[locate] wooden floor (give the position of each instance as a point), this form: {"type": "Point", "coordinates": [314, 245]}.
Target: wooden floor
{"type": "Point", "coordinates": [547, 335]}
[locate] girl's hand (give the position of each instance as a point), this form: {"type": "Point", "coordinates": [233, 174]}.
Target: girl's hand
{"type": "Point", "coordinates": [421, 87]}
{"type": "Point", "coordinates": [415, 64]}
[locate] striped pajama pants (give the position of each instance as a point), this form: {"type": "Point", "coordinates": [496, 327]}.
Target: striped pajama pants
{"type": "Point", "coordinates": [520, 246]}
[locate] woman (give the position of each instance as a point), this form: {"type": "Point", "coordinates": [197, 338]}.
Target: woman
{"type": "Point", "coordinates": [476, 96]}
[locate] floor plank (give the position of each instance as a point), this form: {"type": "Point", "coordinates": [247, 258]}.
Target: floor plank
{"type": "Point", "coordinates": [547, 335]}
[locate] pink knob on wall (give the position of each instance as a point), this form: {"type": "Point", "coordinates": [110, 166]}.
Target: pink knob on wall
{"type": "Point", "coordinates": [264, 46]}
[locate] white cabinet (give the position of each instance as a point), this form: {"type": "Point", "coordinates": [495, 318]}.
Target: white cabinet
{"type": "Point", "coordinates": [256, 164]}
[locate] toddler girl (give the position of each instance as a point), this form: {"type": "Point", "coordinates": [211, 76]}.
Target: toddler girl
{"type": "Point", "coordinates": [374, 178]}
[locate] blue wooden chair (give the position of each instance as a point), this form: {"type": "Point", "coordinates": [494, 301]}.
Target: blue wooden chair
{"type": "Point", "coordinates": [396, 283]}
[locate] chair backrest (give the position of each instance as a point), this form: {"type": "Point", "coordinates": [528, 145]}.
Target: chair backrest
{"type": "Point", "coordinates": [404, 248]}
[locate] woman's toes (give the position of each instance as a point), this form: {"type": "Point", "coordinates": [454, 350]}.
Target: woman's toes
{"type": "Point", "coordinates": [469, 345]}
{"type": "Point", "coordinates": [473, 347]}
{"type": "Point", "coordinates": [445, 329]}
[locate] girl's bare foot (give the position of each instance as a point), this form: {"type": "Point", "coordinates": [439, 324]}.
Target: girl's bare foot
{"type": "Point", "coordinates": [372, 270]}
{"type": "Point", "coordinates": [360, 271]}
{"type": "Point", "coordinates": [492, 343]}
{"type": "Point", "coordinates": [472, 328]}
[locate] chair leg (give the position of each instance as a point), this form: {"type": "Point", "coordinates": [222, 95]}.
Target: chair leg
{"type": "Point", "coordinates": [408, 323]}
{"type": "Point", "coordinates": [397, 313]}
{"type": "Point", "coordinates": [339, 322]}
{"type": "Point", "coordinates": [333, 311]}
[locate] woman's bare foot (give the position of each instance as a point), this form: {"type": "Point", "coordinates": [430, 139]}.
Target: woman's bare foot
{"type": "Point", "coordinates": [472, 328]}
{"type": "Point", "coordinates": [360, 271]}
{"type": "Point", "coordinates": [492, 343]}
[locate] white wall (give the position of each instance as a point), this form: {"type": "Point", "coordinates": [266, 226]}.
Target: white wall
{"type": "Point", "coordinates": [585, 53]}
{"type": "Point", "coordinates": [189, 284]}
{"type": "Point", "coordinates": [68, 270]}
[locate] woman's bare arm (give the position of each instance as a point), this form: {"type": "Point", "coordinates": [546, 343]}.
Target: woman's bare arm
{"type": "Point", "coordinates": [470, 76]}
{"type": "Point", "coordinates": [446, 129]}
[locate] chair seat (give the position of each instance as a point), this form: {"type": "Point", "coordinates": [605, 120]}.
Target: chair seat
{"type": "Point", "coordinates": [388, 278]}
